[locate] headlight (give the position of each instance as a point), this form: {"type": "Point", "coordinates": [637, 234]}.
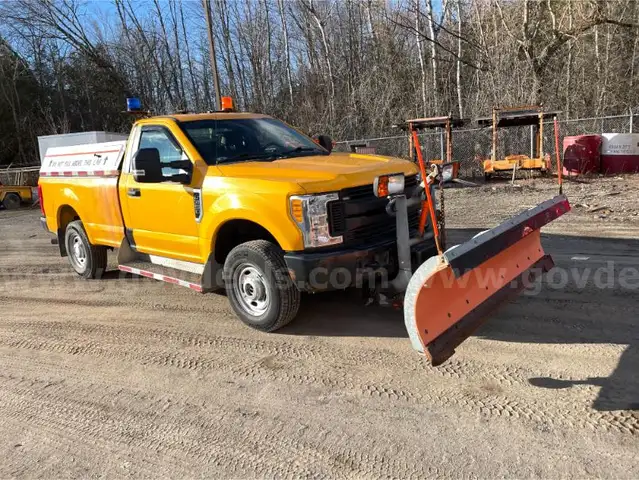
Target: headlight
{"type": "Point", "coordinates": [447, 173]}
{"type": "Point", "coordinates": [310, 213]}
{"type": "Point", "coordinates": [386, 185]}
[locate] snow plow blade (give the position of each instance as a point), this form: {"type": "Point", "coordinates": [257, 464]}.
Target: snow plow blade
{"type": "Point", "coordinates": [449, 296]}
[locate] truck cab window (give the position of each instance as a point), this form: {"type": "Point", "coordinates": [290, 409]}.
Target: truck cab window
{"type": "Point", "coordinates": [169, 150]}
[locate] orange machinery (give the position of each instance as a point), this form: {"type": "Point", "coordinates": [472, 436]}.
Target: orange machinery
{"type": "Point", "coordinates": [448, 167]}
{"type": "Point", "coordinates": [517, 117]}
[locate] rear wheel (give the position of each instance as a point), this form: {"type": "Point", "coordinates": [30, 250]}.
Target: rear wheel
{"type": "Point", "coordinates": [88, 261]}
{"type": "Point", "coordinates": [11, 201]}
{"type": "Point", "coordinates": [259, 287]}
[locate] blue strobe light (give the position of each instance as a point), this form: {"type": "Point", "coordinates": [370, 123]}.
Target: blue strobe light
{"type": "Point", "coordinates": [133, 104]}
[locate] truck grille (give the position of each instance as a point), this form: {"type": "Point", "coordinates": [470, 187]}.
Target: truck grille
{"type": "Point", "coordinates": [361, 217]}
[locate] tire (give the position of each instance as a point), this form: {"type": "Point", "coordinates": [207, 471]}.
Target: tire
{"type": "Point", "coordinates": [11, 201]}
{"type": "Point", "coordinates": [259, 287]}
{"type": "Point", "coordinates": [88, 261]}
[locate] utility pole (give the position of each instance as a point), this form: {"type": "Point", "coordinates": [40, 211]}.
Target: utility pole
{"type": "Point", "coordinates": [206, 4]}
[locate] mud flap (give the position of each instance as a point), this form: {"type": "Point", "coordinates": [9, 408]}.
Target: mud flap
{"type": "Point", "coordinates": [450, 295]}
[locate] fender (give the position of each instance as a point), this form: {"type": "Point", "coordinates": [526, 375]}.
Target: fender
{"type": "Point", "coordinates": [69, 198]}
{"type": "Point", "coordinates": [257, 209]}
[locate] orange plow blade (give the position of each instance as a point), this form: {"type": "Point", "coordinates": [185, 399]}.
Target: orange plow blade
{"type": "Point", "coordinates": [450, 295]}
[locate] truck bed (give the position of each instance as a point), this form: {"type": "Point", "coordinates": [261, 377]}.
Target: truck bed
{"type": "Point", "coordinates": [82, 182]}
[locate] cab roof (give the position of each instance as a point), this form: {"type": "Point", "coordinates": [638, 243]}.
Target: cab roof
{"type": "Point", "coordinates": [190, 117]}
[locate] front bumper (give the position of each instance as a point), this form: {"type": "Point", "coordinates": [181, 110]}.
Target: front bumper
{"type": "Point", "coordinates": [351, 267]}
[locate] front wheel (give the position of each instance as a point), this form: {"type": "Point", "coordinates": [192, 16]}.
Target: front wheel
{"type": "Point", "coordinates": [88, 261]}
{"type": "Point", "coordinates": [259, 287]}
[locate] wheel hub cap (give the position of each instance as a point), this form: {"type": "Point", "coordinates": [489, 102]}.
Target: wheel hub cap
{"type": "Point", "coordinates": [250, 289]}
{"type": "Point", "coordinates": [77, 252]}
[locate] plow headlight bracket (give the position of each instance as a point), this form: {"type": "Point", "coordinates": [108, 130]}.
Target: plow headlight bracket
{"type": "Point", "coordinates": [310, 213]}
{"type": "Point", "coordinates": [387, 185]}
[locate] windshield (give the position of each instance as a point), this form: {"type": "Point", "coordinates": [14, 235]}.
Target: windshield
{"type": "Point", "coordinates": [245, 139]}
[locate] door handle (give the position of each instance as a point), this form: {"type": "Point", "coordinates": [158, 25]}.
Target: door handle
{"type": "Point", "coordinates": [134, 192]}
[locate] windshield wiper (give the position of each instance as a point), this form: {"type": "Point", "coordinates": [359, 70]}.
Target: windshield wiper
{"type": "Point", "coordinates": [300, 150]}
{"type": "Point", "coordinates": [250, 157]}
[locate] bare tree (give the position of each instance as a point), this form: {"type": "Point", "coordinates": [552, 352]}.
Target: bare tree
{"type": "Point", "coordinates": [420, 56]}
{"type": "Point", "coordinates": [287, 49]}
{"type": "Point", "coordinates": [458, 63]}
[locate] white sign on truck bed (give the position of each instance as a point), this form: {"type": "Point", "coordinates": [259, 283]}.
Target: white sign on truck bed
{"type": "Point", "coordinates": [93, 160]}
{"type": "Point", "coordinates": [45, 142]}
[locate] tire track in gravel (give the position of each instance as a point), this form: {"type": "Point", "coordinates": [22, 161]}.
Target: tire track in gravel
{"type": "Point", "coordinates": [114, 422]}
{"type": "Point", "coordinates": [109, 417]}
{"type": "Point", "coordinates": [135, 336]}
{"type": "Point", "coordinates": [298, 361]}
{"type": "Point", "coordinates": [116, 301]}
{"type": "Point", "coordinates": [567, 413]}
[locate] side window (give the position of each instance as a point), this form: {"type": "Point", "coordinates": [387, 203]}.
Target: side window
{"type": "Point", "coordinates": [169, 150]}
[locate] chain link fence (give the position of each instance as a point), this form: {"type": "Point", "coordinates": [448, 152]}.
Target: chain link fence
{"type": "Point", "coordinates": [471, 145]}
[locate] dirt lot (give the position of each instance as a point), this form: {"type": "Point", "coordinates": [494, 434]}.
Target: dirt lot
{"type": "Point", "coordinates": [130, 377]}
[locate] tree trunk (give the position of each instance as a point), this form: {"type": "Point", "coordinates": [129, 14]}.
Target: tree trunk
{"type": "Point", "coordinates": [433, 54]}
{"type": "Point", "coordinates": [459, 54]}
{"type": "Point", "coordinates": [269, 60]}
{"type": "Point", "coordinates": [172, 67]}
{"type": "Point", "coordinates": [178, 48]}
{"type": "Point", "coordinates": [287, 50]}
{"type": "Point", "coordinates": [226, 35]}
{"type": "Point", "coordinates": [195, 90]}
{"type": "Point", "coordinates": [327, 52]}
{"type": "Point", "coordinates": [420, 55]}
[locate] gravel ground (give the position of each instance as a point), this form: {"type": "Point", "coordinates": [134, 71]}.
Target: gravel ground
{"type": "Point", "coordinates": [131, 377]}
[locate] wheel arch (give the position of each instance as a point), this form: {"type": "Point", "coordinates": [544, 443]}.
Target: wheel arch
{"type": "Point", "coordinates": [234, 232]}
{"type": "Point", "coordinates": [6, 193]}
{"type": "Point", "coordinates": [65, 215]}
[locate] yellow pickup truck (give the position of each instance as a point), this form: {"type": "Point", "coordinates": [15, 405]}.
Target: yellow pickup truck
{"type": "Point", "coordinates": [229, 199]}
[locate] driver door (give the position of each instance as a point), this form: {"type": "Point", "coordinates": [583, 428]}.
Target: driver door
{"type": "Point", "coordinates": [160, 217]}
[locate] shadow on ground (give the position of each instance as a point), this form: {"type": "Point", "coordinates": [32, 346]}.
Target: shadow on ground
{"type": "Point", "coordinates": [345, 314]}
{"type": "Point", "coordinates": [585, 314]}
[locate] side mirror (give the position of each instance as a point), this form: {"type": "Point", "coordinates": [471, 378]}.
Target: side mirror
{"type": "Point", "coordinates": [147, 167]}
{"type": "Point", "coordinates": [184, 165]}
{"type": "Point", "coordinates": [324, 141]}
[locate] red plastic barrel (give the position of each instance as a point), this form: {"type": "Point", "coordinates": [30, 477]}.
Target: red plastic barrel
{"type": "Point", "coordinates": [582, 154]}
{"type": "Point", "coordinates": [620, 153]}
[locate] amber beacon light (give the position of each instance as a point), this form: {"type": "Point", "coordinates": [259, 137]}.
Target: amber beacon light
{"type": "Point", "coordinates": [227, 104]}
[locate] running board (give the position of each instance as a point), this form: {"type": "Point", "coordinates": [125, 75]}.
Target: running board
{"type": "Point", "coordinates": [203, 278]}
{"type": "Point", "coordinates": [164, 274]}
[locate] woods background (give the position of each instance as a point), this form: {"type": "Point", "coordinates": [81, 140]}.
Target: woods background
{"type": "Point", "coordinates": [347, 68]}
